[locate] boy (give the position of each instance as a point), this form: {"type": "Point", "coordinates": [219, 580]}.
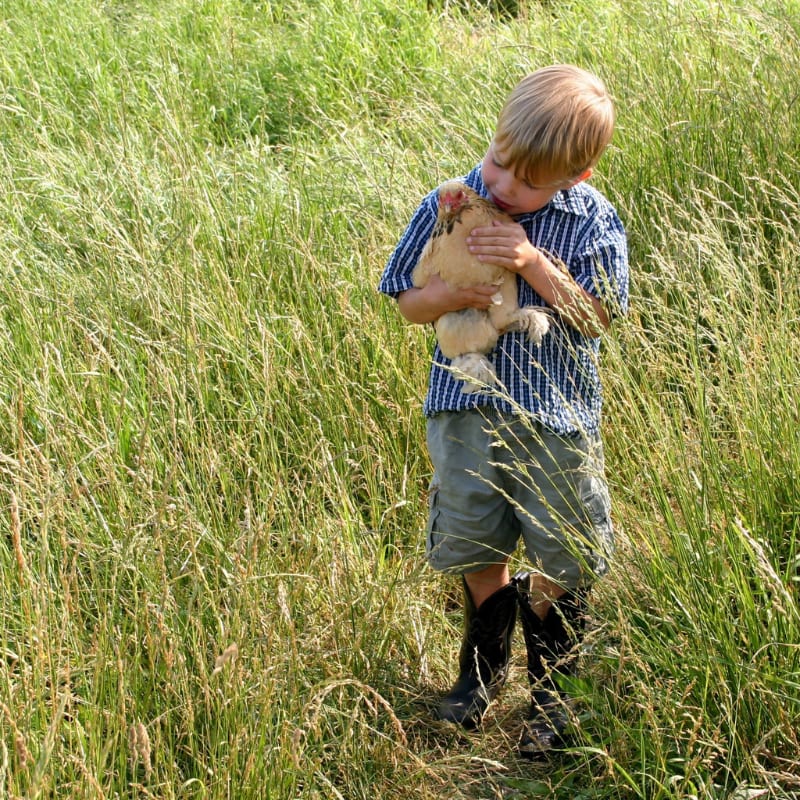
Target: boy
{"type": "Point", "coordinates": [526, 461]}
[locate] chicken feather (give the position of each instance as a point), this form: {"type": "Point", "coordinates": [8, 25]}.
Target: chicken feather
{"type": "Point", "coordinates": [468, 335]}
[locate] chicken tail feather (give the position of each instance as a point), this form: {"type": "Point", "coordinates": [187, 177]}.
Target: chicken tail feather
{"type": "Point", "coordinates": [475, 370]}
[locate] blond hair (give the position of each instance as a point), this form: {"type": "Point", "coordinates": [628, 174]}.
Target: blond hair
{"type": "Point", "coordinates": [557, 121]}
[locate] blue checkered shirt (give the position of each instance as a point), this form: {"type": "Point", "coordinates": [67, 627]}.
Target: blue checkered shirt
{"type": "Point", "coordinates": [556, 382]}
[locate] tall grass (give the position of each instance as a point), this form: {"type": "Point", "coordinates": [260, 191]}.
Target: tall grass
{"type": "Point", "coordinates": [211, 445]}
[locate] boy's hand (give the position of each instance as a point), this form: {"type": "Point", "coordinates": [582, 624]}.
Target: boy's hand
{"type": "Point", "coordinates": [447, 299]}
{"type": "Point", "coordinates": [507, 245]}
{"type": "Point", "coordinates": [427, 304]}
{"type": "Point", "coordinates": [504, 244]}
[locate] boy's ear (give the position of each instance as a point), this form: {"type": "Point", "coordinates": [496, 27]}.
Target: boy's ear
{"type": "Point", "coordinates": [584, 176]}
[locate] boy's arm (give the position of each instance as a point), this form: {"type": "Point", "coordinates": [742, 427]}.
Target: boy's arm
{"type": "Point", "coordinates": [428, 303]}
{"type": "Point", "coordinates": [558, 289]}
{"type": "Point", "coordinates": [507, 245]}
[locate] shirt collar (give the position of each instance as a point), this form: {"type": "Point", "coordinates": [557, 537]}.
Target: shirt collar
{"type": "Point", "coordinates": [569, 201]}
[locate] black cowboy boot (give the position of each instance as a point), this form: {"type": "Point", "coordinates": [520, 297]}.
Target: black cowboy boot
{"type": "Point", "coordinates": [484, 656]}
{"type": "Point", "coordinates": [552, 645]}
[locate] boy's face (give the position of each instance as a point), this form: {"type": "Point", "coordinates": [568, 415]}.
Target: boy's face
{"type": "Point", "coordinates": [515, 195]}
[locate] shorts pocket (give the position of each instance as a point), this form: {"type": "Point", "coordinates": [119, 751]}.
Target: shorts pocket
{"type": "Point", "coordinates": [596, 499]}
{"type": "Point", "coordinates": [433, 510]}
{"type": "Point", "coordinates": [433, 513]}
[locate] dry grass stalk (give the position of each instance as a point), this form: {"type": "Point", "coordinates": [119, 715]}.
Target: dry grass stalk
{"type": "Point", "coordinates": [20, 745]}
{"type": "Point", "coordinates": [16, 540]}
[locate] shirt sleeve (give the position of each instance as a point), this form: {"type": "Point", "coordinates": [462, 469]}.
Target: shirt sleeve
{"type": "Point", "coordinates": [600, 265]}
{"type": "Point", "coordinates": [396, 276]}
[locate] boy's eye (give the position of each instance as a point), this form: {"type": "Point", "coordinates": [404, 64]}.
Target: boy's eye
{"type": "Point", "coordinates": [500, 165]}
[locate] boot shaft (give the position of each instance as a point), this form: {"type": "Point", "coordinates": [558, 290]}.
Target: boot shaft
{"type": "Point", "coordinates": [484, 656]}
{"type": "Point", "coordinates": [552, 643]}
{"type": "Point", "coordinates": [488, 631]}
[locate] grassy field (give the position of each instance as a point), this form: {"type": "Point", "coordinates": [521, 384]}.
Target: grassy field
{"type": "Point", "coordinates": [212, 459]}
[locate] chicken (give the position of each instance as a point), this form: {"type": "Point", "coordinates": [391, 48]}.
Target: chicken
{"type": "Point", "coordinates": [468, 335]}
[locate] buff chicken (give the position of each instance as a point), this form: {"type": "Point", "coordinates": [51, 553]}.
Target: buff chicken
{"type": "Point", "coordinates": [467, 336]}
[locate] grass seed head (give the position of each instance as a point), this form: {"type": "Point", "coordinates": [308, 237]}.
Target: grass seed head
{"type": "Point", "coordinates": [140, 751]}
{"type": "Point", "coordinates": [228, 655]}
{"type": "Point", "coordinates": [21, 749]}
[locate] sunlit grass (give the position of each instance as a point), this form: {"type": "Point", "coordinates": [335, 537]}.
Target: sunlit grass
{"type": "Point", "coordinates": [211, 444]}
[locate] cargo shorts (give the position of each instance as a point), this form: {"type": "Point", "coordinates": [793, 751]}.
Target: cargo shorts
{"type": "Point", "coordinates": [501, 478]}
